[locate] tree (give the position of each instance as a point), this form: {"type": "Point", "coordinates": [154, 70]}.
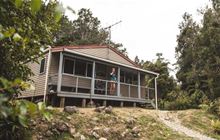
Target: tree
{"type": "Point", "coordinates": [26, 28]}
{"type": "Point", "coordinates": [198, 53]}
{"type": "Point", "coordinates": [82, 31]}
{"type": "Point", "coordinates": [85, 30]}
{"type": "Point", "coordinates": [185, 51]}
{"type": "Point", "coordinates": [137, 60]}
{"type": "Point", "coordinates": [65, 35]}
{"type": "Point", "coordinates": [165, 82]}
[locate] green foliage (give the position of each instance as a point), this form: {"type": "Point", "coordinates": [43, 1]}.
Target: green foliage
{"type": "Point", "coordinates": [216, 126]}
{"type": "Point", "coordinates": [198, 54]}
{"type": "Point", "coordinates": [15, 115]}
{"type": "Point", "coordinates": [179, 99]}
{"type": "Point", "coordinates": [44, 111]}
{"type": "Point", "coordinates": [214, 107]}
{"type": "Point", "coordinates": [18, 3]}
{"type": "Point", "coordinates": [176, 101]}
{"type": "Point", "coordinates": [85, 30]}
{"type": "Point", "coordinates": [26, 28]}
{"type": "Point", "coordinates": [165, 82]}
{"type": "Point", "coordinates": [35, 5]}
{"type": "Point", "coordinates": [204, 107]}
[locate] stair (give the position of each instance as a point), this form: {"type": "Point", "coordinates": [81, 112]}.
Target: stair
{"type": "Point", "coordinates": [148, 105]}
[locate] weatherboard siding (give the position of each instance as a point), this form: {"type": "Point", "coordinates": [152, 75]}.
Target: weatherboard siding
{"type": "Point", "coordinates": [37, 80]}
{"type": "Point", "coordinates": [54, 64]}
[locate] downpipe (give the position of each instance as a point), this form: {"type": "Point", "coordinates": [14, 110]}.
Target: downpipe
{"type": "Point", "coordinates": [156, 104]}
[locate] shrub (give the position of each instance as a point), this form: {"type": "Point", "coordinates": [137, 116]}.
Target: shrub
{"type": "Point", "coordinates": [176, 101]}
{"type": "Point", "coordinates": [198, 97]}
{"type": "Point", "coordinates": [204, 107]}
{"type": "Point", "coordinates": [214, 107]}
{"type": "Point", "coordinates": [16, 114]}
{"type": "Point", "coordinates": [216, 126]}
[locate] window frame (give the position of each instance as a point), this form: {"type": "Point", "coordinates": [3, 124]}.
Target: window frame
{"type": "Point", "coordinates": [71, 59]}
{"type": "Point", "coordinates": [42, 72]}
{"type": "Point", "coordinates": [88, 63]}
{"type": "Point", "coordinates": [74, 66]}
{"type": "Point", "coordinates": [122, 72]}
{"type": "Point", "coordinates": [133, 77]}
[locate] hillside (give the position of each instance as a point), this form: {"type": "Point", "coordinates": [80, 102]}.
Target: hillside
{"type": "Point", "coordinates": [121, 123]}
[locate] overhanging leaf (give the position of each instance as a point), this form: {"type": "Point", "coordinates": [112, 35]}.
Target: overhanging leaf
{"type": "Point", "coordinates": [16, 37]}
{"type": "Point", "coordinates": [41, 106]}
{"type": "Point", "coordinates": [23, 109]}
{"type": "Point", "coordinates": [58, 15]}
{"type": "Point", "coordinates": [35, 5]}
{"type": "Point", "coordinates": [58, 12]}
{"type": "Point", "coordinates": [22, 120]}
{"type": "Point", "coordinates": [47, 115]}
{"type": "Point", "coordinates": [32, 108]}
{"type": "Point", "coordinates": [9, 32]}
{"type": "Point", "coordinates": [1, 36]}
{"type": "Point", "coordinates": [18, 3]}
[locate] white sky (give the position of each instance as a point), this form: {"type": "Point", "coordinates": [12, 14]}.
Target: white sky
{"type": "Point", "coordinates": [148, 26]}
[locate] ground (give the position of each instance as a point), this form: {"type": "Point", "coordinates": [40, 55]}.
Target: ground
{"type": "Point", "coordinates": [198, 120]}
{"type": "Point", "coordinates": [171, 120]}
{"type": "Point", "coordinates": [122, 123]}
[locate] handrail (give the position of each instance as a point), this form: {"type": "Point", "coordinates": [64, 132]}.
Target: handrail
{"type": "Point", "coordinates": [102, 80]}
{"type": "Point", "coordinates": [97, 79]}
{"type": "Point", "coordinates": [147, 91]}
{"type": "Point", "coordinates": [76, 76]}
{"type": "Point", "coordinates": [127, 84]}
{"type": "Point", "coordinates": [52, 75]}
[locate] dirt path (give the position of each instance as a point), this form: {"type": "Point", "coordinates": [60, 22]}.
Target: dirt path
{"type": "Point", "coordinates": [171, 120]}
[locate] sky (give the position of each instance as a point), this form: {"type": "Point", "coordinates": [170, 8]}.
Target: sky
{"type": "Point", "coordinates": [148, 26]}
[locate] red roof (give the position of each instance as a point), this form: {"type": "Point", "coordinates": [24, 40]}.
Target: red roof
{"type": "Point", "coordinates": [61, 48]}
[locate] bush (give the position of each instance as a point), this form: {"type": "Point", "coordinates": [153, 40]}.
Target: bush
{"type": "Point", "coordinates": [198, 97]}
{"type": "Point", "coordinates": [16, 114]}
{"type": "Point", "coordinates": [176, 101]}
{"type": "Point", "coordinates": [214, 107]}
{"type": "Point", "coordinates": [178, 104]}
{"type": "Point", "coordinates": [204, 107]}
{"type": "Point", "coordinates": [216, 126]}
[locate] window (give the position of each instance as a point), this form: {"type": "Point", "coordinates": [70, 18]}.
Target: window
{"type": "Point", "coordinates": [68, 66]}
{"type": "Point", "coordinates": [80, 68]}
{"type": "Point", "coordinates": [122, 76]}
{"type": "Point", "coordinates": [129, 78]}
{"type": "Point", "coordinates": [42, 65]}
{"type": "Point", "coordinates": [77, 67]}
{"type": "Point", "coordinates": [135, 79]}
{"type": "Point", "coordinates": [101, 71]}
{"type": "Point", "coordinates": [89, 70]}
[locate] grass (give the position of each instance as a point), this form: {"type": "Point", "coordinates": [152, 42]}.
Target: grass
{"type": "Point", "coordinates": [62, 136]}
{"type": "Point", "coordinates": [152, 129]}
{"type": "Point", "coordinates": [198, 120]}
